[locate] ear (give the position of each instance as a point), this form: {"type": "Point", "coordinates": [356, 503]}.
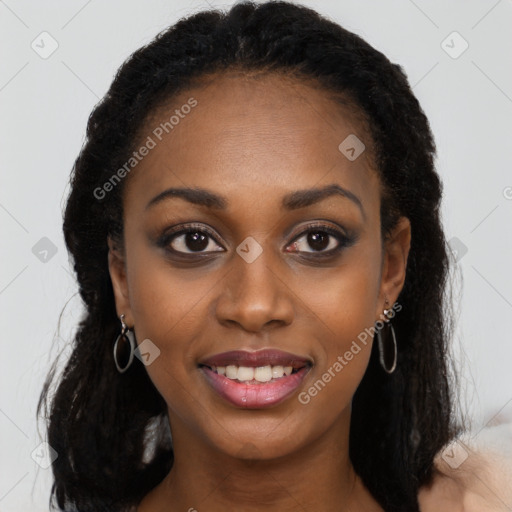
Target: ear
{"type": "Point", "coordinates": [394, 264]}
{"type": "Point", "coordinates": [117, 270]}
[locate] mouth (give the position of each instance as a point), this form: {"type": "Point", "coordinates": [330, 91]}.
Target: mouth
{"type": "Point", "coordinates": [253, 375]}
{"type": "Point", "coordinates": [255, 379]}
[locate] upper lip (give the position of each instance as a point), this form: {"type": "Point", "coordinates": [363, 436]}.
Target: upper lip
{"type": "Point", "coordinates": [272, 357]}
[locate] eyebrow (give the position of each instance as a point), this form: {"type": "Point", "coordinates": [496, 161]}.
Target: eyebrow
{"type": "Point", "coordinates": [291, 201]}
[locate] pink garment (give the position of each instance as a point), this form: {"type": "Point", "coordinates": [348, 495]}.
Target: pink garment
{"type": "Point", "coordinates": [479, 465]}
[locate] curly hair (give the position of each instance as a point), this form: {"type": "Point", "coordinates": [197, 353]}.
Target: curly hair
{"type": "Point", "coordinates": [110, 430]}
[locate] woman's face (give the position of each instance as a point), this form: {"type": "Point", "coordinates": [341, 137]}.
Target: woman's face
{"type": "Point", "coordinates": [249, 277]}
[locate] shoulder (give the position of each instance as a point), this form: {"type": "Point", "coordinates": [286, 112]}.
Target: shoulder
{"type": "Point", "coordinates": [472, 474]}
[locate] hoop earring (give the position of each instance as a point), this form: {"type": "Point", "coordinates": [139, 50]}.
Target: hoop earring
{"type": "Point", "coordinates": [388, 352]}
{"type": "Point", "coordinates": [126, 334]}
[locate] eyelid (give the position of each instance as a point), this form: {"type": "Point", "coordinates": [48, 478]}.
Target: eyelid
{"type": "Point", "coordinates": [188, 227]}
{"type": "Point", "coordinates": [326, 226]}
{"type": "Point", "coordinates": [343, 238]}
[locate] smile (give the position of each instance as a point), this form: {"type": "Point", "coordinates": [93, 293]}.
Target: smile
{"type": "Point", "coordinates": [255, 380]}
{"type": "Point", "coordinates": [254, 375]}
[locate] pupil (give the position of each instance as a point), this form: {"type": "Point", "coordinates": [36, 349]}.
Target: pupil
{"type": "Point", "coordinates": [319, 240]}
{"type": "Point", "coordinates": [196, 241]}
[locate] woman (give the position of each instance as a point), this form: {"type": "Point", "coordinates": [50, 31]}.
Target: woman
{"type": "Point", "coordinates": [255, 227]}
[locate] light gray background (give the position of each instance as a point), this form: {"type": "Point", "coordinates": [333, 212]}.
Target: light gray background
{"type": "Point", "coordinates": [44, 105]}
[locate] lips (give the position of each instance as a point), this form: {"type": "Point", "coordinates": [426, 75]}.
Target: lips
{"type": "Point", "coordinates": [268, 357]}
{"type": "Point", "coordinates": [255, 380]}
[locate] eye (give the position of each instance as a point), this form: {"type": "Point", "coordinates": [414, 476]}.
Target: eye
{"type": "Point", "coordinates": [321, 239]}
{"type": "Point", "coordinates": [191, 239]}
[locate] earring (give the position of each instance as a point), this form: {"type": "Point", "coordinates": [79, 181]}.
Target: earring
{"type": "Point", "coordinates": [388, 351]}
{"type": "Point", "coordinates": [126, 334]}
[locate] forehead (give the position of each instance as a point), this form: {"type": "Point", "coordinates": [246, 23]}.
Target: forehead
{"type": "Point", "coordinates": [253, 136]}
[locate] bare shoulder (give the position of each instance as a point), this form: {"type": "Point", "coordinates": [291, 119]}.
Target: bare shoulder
{"type": "Point", "coordinates": [472, 474]}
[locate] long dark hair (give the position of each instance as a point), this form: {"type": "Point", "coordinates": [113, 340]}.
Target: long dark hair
{"type": "Point", "coordinates": [110, 430]}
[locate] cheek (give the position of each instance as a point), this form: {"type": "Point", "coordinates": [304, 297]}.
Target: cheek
{"type": "Point", "coordinates": [169, 308]}
{"type": "Point", "coordinates": [344, 302]}
{"type": "Point", "coordinates": [166, 301]}
{"type": "Point", "coordinates": [344, 313]}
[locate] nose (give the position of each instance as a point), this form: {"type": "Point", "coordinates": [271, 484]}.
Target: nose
{"type": "Point", "coordinates": [255, 295]}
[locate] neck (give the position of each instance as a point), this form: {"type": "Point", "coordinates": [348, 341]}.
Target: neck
{"type": "Point", "coordinates": [318, 477]}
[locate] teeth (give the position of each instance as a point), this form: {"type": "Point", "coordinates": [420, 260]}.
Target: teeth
{"type": "Point", "coordinates": [263, 373]}
{"type": "Point", "coordinates": [277, 372]}
{"type": "Point", "coordinates": [248, 373]}
{"type": "Point", "coordinates": [231, 371]}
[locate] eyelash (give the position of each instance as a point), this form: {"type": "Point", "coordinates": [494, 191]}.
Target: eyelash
{"type": "Point", "coordinates": [343, 240]}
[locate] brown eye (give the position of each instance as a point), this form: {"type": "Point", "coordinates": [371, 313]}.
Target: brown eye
{"type": "Point", "coordinates": [322, 240]}
{"type": "Point", "coordinates": [319, 240]}
{"type": "Point", "coordinates": [195, 241]}
{"type": "Point", "coordinates": [190, 240]}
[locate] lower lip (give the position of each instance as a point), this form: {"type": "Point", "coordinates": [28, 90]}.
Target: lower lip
{"type": "Point", "coordinates": [255, 396]}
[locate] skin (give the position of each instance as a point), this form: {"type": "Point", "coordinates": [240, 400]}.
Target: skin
{"type": "Point", "coordinates": [482, 483]}
{"type": "Point", "coordinates": [253, 140]}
